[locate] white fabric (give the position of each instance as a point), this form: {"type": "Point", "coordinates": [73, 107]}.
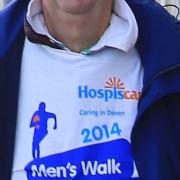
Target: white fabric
{"type": "Point", "coordinates": [115, 36]}
{"type": "Point", "coordinates": [53, 76]}
{"type": "Point", "coordinates": [82, 91]}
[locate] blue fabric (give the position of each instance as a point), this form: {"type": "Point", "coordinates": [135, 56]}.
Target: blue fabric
{"type": "Point", "coordinates": [156, 133]}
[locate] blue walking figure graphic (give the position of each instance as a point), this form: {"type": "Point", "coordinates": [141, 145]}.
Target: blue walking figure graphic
{"type": "Point", "coordinates": [39, 122]}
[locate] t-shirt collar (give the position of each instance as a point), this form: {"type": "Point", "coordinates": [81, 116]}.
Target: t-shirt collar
{"type": "Point", "coordinates": [121, 34]}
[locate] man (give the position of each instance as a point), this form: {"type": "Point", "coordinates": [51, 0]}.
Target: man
{"type": "Point", "coordinates": [40, 123]}
{"type": "Point", "coordinates": [108, 70]}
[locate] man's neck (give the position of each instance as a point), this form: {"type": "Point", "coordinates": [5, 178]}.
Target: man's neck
{"type": "Point", "coordinates": [78, 31]}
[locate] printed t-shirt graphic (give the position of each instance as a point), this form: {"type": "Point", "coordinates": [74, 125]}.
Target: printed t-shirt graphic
{"type": "Point", "coordinates": [39, 122]}
{"type": "Point", "coordinates": [93, 162]}
{"type": "Point", "coordinates": [114, 89]}
{"type": "Point", "coordinates": [103, 161]}
{"type": "Point", "coordinates": [112, 159]}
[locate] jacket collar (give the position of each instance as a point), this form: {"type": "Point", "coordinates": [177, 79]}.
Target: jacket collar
{"type": "Point", "coordinates": [159, 36]}
{"type": "Point", "coordinates": [10, 28]}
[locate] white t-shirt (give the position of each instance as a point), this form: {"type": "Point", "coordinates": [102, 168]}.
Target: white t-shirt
{"type": "Point", "coordinates": [76, 110]}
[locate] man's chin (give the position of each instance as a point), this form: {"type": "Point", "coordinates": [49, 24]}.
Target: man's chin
{"type": "Point", "coordinates": [76, 6]}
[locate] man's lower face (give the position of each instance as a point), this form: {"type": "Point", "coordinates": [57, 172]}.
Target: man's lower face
{"type": "Point", "coordinates": [78, 6]}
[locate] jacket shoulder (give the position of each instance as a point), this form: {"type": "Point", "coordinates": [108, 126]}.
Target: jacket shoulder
{"type": "Point", "coordinates": [11, 18]}
{"type": "Point", "coordinates": [158, 37]}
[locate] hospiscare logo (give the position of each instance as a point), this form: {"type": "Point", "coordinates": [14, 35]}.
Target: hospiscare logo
{"type": "Point", "coordinates": [114, 88]}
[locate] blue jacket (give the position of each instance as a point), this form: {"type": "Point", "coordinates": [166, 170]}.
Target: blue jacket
{"type": "Point", "coordinates": [156, 133]}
